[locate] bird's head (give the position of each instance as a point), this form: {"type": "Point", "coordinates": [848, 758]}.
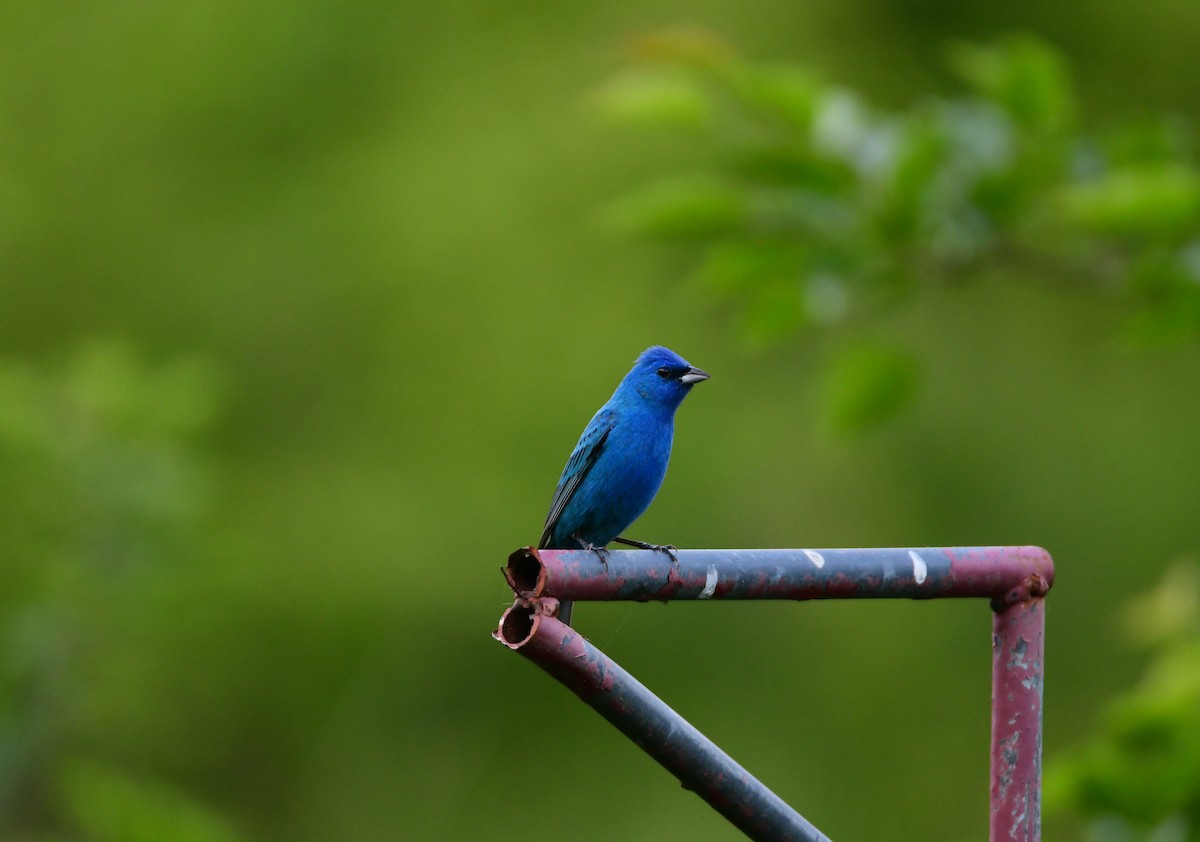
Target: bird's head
{"type": "Point", "coordinates": [662, 376]}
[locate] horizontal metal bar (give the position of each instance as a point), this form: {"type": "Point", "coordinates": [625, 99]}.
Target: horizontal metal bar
{"type": "Point", "coordinates": [1006, 575]}
{"type": "Point", "coordinates": [657, 729]}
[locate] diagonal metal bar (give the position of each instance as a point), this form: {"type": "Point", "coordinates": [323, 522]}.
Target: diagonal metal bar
{"type": "Point", "coordinates": [1014, 579]}
{"type": "Point", "coordinates": [657, 729]}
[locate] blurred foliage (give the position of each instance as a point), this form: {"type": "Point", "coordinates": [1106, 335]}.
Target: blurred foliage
{"type": "Point", "coordinates": [867, 383]}
{"type": "Point", "coordinates": [1139, 777]}
{"type": "Point", "coordinates": [812, 208]}
{"type": "Point", "coordinates": [105, 496]}
{"type": "Point", "coordinates": [302, 306]}
{"type": "Point", "coordinates": [107, 805]}
{"type": "Point", "coordinates": [809, 207]}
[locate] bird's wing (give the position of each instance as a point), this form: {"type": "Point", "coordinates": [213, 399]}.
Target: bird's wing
{"type": "Point", "coordinates": [587, 451]}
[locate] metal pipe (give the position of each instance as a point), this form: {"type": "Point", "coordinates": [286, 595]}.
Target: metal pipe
{"type": "Point", "coordinates": [644, 718]}
{"type": "Point", "coordinates": [917, 573]}
{"type": "Point", "coordinates": [1018, 665]}
{"type": "Point", "coordinates": [1014, 579]}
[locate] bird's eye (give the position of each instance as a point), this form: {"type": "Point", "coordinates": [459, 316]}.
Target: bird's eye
{"type": "Point", "coordinates": [664, 372]}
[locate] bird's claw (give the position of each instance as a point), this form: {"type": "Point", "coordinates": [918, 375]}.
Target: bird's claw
{"type": "Point", "coordinates": [670, 549]}
{"type": "Point", "coordinates": [601, 552]}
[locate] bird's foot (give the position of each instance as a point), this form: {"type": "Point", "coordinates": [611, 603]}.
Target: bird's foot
{"type": "Point", "coordinates": [601, 552]}
{"type": "Point", "coordinates": [670, 549]}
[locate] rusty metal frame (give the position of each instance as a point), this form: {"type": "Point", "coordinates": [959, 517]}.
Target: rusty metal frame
{"type": "Point", "coordinates": [1014, 579]}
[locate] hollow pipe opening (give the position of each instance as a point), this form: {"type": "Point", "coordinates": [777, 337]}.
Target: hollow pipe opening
{"type": "Point", "coordinates": [525, 573]}
{"type": "Point", "coordinates": [516, 626]}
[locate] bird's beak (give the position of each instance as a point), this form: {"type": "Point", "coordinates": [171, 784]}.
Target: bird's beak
{"type": "Point", "coordinates": [693, 375]}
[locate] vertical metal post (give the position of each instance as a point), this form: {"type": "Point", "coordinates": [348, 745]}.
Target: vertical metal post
{"type": "Point", "coordinates": [1018, 652]}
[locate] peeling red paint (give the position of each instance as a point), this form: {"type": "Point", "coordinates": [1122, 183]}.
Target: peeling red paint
{"type": "Point", "coordinates": [1018, 644]}
{"type": "Point", "coordinates": [1006, 575]}
{"type": "Point", "coordinates": [1014, 579]}
{"type": "Point", "coordinates": [662, 733]}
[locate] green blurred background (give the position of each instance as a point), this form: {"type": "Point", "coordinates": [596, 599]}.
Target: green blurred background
{"type": "Point", "coordinates": [302, 307]}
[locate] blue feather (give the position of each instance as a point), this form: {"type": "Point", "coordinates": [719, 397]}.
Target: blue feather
{"type": "Point", "coordinates": [619, 463]}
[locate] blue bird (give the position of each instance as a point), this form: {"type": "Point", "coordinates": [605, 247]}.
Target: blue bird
{"type": "Point", "coordinates": [621, 458]}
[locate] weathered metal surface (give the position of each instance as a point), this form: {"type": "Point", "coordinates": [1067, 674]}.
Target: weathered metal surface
{"type": "Point", "coordinates": [1018, 667]}
{"type": "Point", "coordinates": [657, 729]}
{"type": "Point", "coordinates": [1014, 579]}
{"type": "Point", "coordinates": [917, 573]}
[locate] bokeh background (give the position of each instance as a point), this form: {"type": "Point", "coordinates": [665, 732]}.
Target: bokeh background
{"type": "Point", "coordinates": [302, 307]}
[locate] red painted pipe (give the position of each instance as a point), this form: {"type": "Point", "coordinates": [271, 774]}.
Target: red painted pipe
{"type": "Point", "coordinates": [1014, 579]}
{"type": "Point", "coordinates": [658, 730]}
{"type": "Point", "coordinates": [1018, 666]}
{"type": "Point", "coordinates": [1001, 573]}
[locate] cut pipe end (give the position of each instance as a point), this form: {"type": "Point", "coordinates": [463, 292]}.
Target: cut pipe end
{"type": "Point", "coordinates": [517, 625]}
{"type": "Point", "coordinates": [525, 573]}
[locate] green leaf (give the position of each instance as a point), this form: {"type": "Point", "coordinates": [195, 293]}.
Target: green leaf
{"type": "Point", "coordinates": [1148, 141]}
{"type": "Point", "coordinates": [694, 207]}
{"type": "Point", "coordinates": [737, 265]}
{"type": "Point", "coordinates": [670, 97]}
{"type": "Point", "coordinates": [784, 94]}
{"type": "Point", "coordinates": [1143, 767]}
{"type": "Point", "coordinates": [1161, 202]}
{"type": "Point", "coordinates": [793, 166]}
{"type": "Point", "coordinates": [901, 212]}
{"type": "Point", "coordinates": [1025, 77]}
